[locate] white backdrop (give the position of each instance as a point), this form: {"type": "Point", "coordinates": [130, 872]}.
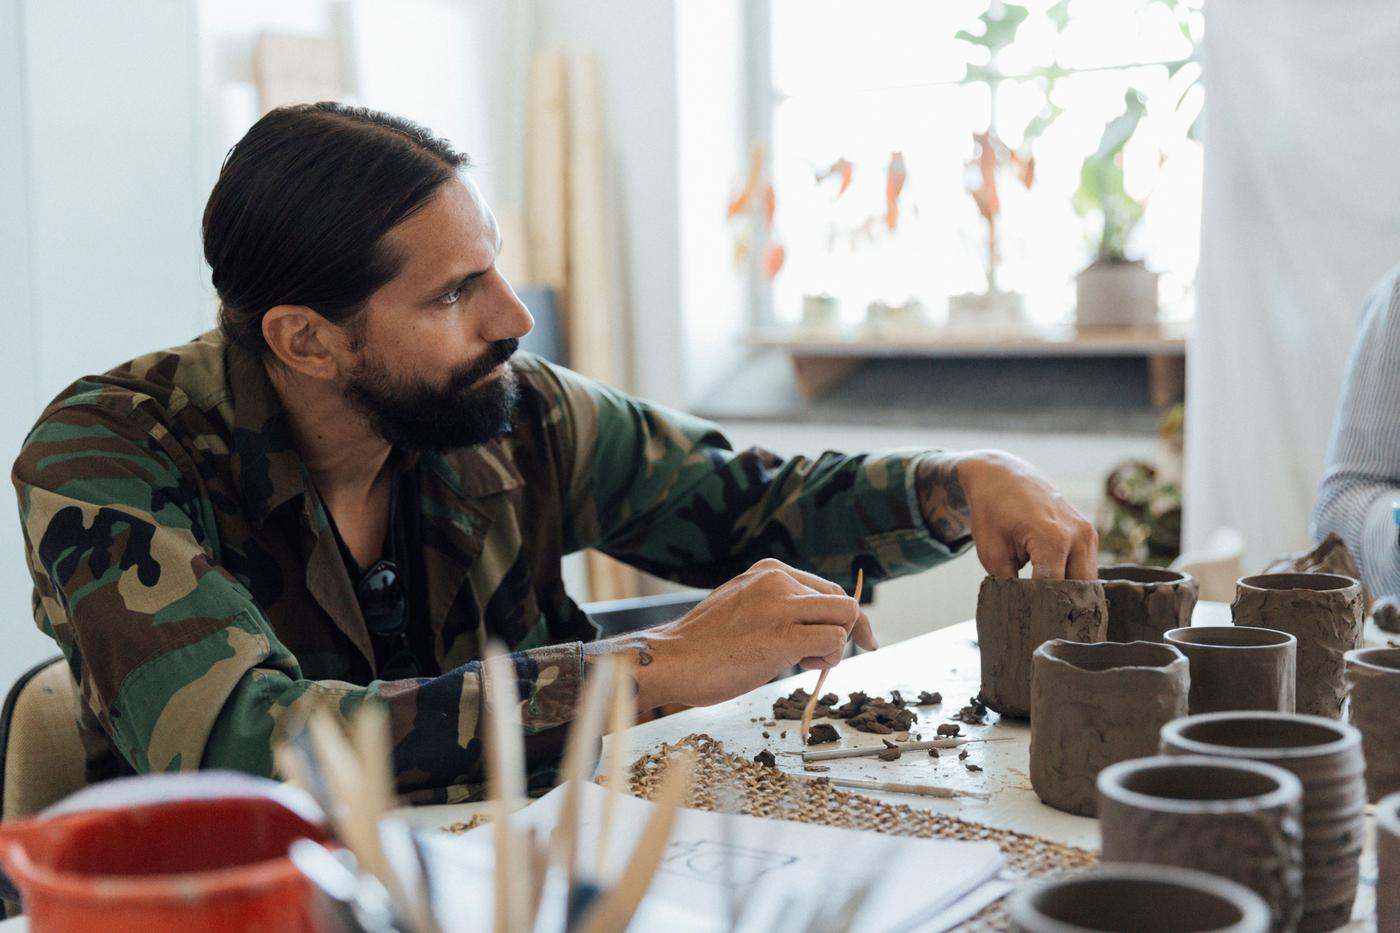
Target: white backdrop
{"type": "Point", "coordinates": [1301, 217]}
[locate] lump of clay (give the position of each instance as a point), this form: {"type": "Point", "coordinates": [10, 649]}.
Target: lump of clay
{"type": "Point", "coordinates": [890, 754]}
{"type": "Point", "coordinates": [949, 729]}
{"type": "Point", "coordinates": [930, 699]}
{"type": "Point", "coordinates": [793, 705]}
{"type": "Point", "coordinates": [766, 759]}
{"type": "Point", "coordinates": [821, 734]}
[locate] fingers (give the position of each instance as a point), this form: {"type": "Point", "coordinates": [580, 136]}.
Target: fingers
{"type": "Point", "coordinates": [817, 608]}
{"type": "Point", "coordinates": [997, 557]}
{"type": "Point", "coordinates": [1049, 551]}
{"type": "Point", "coordinates": [811, 580]}
{"type": "Point", "coordinates": [863, 635]}
{"type": "Point", "coordinates": [822, 645]}
{"type": "Point", "coordinates": [1084, 555]}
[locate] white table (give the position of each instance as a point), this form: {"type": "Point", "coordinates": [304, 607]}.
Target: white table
{"type": "Point", "coordinates": [945, 661]}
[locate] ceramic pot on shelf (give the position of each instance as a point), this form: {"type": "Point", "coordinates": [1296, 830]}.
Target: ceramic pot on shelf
{"type": "Point", "coordinates": [1015, 616]}
{"type": "Point", "coordinates": [1115, 293]}
{"type": "Point", "coordinates": [1326, 757]}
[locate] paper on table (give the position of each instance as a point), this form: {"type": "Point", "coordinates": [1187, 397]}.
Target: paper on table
{"type": "Point", "coordinates": [786, 872]}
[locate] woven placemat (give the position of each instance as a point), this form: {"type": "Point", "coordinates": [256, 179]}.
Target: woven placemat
{"type": "Point", "coordinates": [758, 790]}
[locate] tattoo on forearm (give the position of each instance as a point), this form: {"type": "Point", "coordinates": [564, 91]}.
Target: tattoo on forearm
{"type": "Point", "coordinates": [646, 651]}
{"type": "Point", "coordinates": [942, 500]}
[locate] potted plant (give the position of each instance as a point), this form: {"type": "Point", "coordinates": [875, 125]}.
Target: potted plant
{"type": "Point", "coordinates": [1113, 290]}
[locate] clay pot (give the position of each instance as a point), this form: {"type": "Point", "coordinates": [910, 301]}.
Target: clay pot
{"type": "Point", "coordinates": [1373, 674]}
{"type": "Point", "coordinates": [1324, 611]}
{"type": "Point", "coordinates": [1143, 602]}
{"type": "Point", "coordinates": [1141, 898]}
{"type": "Point", "coordinates": [1236, 667]}
{"type": "Point", "coordinates": [1016, 616]}
{"type": "Point", "coordinates": [1326, 757]}
{"type": "Point", "coordinates": [1095, 705]}
{"type": "Point", "coordinates": [1388, 859]}
{"type": "Point", "coordinates": [1238, 819]}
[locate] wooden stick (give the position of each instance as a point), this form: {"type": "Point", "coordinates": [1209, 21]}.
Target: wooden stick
{"type": "Point", "coordinates": [618, 905]}
{"type": "Point", "coordinates": [505, 782]}
{"type": "Point", "coordinates": [806, 726]}
{"type": "Point", "coordinates": [578, 756]}
{"type": "Point", "coordinates": [870, 751]}
{"type": "Point", "coordinates": [621, 717]}
{"type": "Point", "coordinates": [923, 790]}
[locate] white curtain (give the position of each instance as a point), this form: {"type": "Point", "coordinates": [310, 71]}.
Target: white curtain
{"type": "Point", "coordinates": [1301, 217]}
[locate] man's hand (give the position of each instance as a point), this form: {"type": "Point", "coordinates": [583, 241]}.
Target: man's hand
{"type": "Point", "coordinates": [1012, 513]}
{"type": "Point", "coordinates": [743, 635]}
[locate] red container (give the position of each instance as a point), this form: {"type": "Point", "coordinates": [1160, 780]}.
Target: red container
{"type": "Point", "coordinates": [194, 866]}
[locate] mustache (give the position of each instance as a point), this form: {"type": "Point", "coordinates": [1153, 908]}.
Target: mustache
{"type": "Point", "coordinates": [498, 353]}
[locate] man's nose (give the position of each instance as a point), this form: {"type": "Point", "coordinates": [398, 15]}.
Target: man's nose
{"type": "Point", "coordinates": [509, 317]}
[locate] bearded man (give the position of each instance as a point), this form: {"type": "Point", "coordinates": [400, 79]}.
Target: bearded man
{"type": "Point", "coordinates": [356, 481]}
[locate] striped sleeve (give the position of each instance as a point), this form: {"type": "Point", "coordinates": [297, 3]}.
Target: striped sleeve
{"type": "Point", "coordinates": [1362, 477]}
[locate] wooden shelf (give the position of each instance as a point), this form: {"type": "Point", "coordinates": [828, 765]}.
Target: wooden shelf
{"type": "Point", "coordinates": [821, 360]}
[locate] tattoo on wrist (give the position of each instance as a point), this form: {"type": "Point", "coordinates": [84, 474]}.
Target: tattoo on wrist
{"type": "Point", "coordinates": [646, 650]}
{"type": "Point", "coordinates": [943, 501]}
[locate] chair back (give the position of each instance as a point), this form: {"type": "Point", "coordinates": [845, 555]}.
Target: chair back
{"type": "Point", "coordinates": [41, 752]}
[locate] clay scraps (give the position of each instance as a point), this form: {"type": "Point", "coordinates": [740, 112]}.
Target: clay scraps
{"type": "Point", "coordinates": [974, 713]}
{"type": "Point", "coordinates": [792, 706]}
{"type": "Point", "coordinates": [822, 733]}
{"type": "Point", "coordinates": [766, 759]}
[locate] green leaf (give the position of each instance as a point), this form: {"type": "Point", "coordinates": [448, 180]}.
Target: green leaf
{"type": "Point", "coordinates": [998, 29]}
{"type": "Point", "coordinates": [1120, 129]}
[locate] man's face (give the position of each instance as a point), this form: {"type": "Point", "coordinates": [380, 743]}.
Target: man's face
{"type": "Point", "coordinates": [430, 369]}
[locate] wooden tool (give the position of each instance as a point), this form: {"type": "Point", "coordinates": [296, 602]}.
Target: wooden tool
{"type": "Point", "coordinates": [621, 717]}
{"type": "Point", "coordinates": [505, 779]}
{"type": "Point", "coordinates": [874, 750]}
{"type": "Point", "coordinates": [821, 680]}
{"type": "Point", "coordinates": [923, 790]}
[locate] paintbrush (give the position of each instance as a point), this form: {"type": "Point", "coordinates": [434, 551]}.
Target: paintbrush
{"type": "Point", "coordinates": [622, 715]}
{"type": "Point", "coordinates": [615, 909]}
{"type": "Point", "coordinates": [578, 759]}
{"type": "Point", "coordinates": [821, 680]}
{"type": "Point", "coordinates": [505, 770]}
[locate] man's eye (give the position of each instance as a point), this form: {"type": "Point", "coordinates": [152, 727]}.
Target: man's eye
{"type": "Point", "coordinates": [451, 297]}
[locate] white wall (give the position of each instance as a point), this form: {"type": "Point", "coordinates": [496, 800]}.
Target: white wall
{"type": "Point", "coordinates": [99, 217]}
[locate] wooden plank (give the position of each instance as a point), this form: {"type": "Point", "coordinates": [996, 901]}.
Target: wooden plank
{"type": "Point", "coordinates": [1163, 340]}
{"type": "Point", "coordinates": [1166, 379]}
{"type": "Point", "coordinates": [546, 176]}
{"type": "Point", "coordinates": [818, 375]}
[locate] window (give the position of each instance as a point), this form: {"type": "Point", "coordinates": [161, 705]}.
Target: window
{"type": "Point", "coordinates": [860, 91]}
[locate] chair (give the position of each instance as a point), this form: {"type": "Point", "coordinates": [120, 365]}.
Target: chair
{"type": "Point", "coordinates": [41, 753]}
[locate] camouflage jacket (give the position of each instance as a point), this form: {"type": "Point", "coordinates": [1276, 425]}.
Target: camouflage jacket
{"type": "Point", "coordinates": [184, 563]}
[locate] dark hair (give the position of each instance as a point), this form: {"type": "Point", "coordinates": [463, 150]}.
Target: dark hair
{"type": "Point", "coordinates": [302, 205]}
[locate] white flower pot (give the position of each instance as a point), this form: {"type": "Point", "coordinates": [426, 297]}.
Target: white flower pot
{"type": "Point", "coordinates": [1116, 293]}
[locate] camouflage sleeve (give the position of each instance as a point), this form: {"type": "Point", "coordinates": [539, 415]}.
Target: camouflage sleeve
{"type": "Point", "coordinates": [171, 653]}
{"type": "Point", "coordinates": [666, 492]}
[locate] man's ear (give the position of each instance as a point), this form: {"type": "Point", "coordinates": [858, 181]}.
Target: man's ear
{"type": "Point", "coordinates": [304, 341]}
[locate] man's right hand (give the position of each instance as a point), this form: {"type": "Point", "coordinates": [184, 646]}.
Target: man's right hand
{"type": "Point", "coordinates": [744, 634]}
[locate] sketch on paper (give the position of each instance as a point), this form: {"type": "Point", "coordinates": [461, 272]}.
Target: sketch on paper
{"type": "Point", "coordinates": [704, 860]}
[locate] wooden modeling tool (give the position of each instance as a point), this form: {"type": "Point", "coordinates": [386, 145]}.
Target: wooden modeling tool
{"type": "Point", "coordinates": [821, 680]}
{"type": "Point", "coordinates": [923, 790]}
{"type": "Point", "coordinates": [871, 751]}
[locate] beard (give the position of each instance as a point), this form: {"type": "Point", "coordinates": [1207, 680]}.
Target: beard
{"type": "Point", "coordinates": [416, 416]}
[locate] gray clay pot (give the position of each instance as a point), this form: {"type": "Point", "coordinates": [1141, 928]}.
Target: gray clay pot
{"type": "Point", "coordinates": [1140, 898]}
{"type": "Point", "coordinates": [1324, 611]}
{"type": "Point", "coordinates": [1388, 857]}
{"type": "Point", "coordinates": [1235, 667]}
{"type": "Point", "coordinates": [1238, 819]}
{"type": "Point", "coordinates": [1144, 602]}
{"type": "Point", "coordinates": [1324, 755]}
{"type": "Point", "coordinates": [1016, 616]}
{"type": "Point", "coordinates": [1373, 674]}
{"type": "Point", "coordinates": [1093, 705]}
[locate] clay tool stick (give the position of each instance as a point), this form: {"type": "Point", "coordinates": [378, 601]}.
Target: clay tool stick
{"type": "Point", "coordinates": [821, 680]}
{"type": "Point", "coordinates": [870, 751]}
{"type": "Point", "coordinates": [923, 790]}
{"type": "Point", "coordinates": [505, 783]}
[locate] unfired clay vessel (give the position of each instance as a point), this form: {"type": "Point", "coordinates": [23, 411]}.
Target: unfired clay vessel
{"type": "Point", "coordinates": [1238, 819]}
{"type": "Point", "coordinates": [1016, 616]}
{"type": "Point", "coordinates": [1237, 667]}
{"type": "Point", "coordinates": [1388, 857]}
{"type": "Point", "coordinates": [1324, 755]}
{"type": "Point", "coordinates": [1373, 674]}
{"type": "Point", "coordinates": [1141, 898]}
{"type": "Point", "coordinates": [1143, 602]}
{"type": "Point", "coordinates": [1324, 612]}
{"type": "Point", "coordinates": [1093, 705]}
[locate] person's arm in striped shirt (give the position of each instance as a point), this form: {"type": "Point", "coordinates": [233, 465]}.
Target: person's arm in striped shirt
{"type": "Point", "coordinates": [1362, 475]}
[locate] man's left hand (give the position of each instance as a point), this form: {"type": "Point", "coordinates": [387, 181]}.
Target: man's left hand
{"type": "Point", "coordinates": [1012, 513]}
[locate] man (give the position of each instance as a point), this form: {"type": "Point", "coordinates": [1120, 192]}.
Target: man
{"type": "Point", "coordinates": [343, 493]}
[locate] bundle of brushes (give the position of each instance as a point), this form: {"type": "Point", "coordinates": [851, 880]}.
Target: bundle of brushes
{"type": "Point", "coordinates": [380, 881]}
